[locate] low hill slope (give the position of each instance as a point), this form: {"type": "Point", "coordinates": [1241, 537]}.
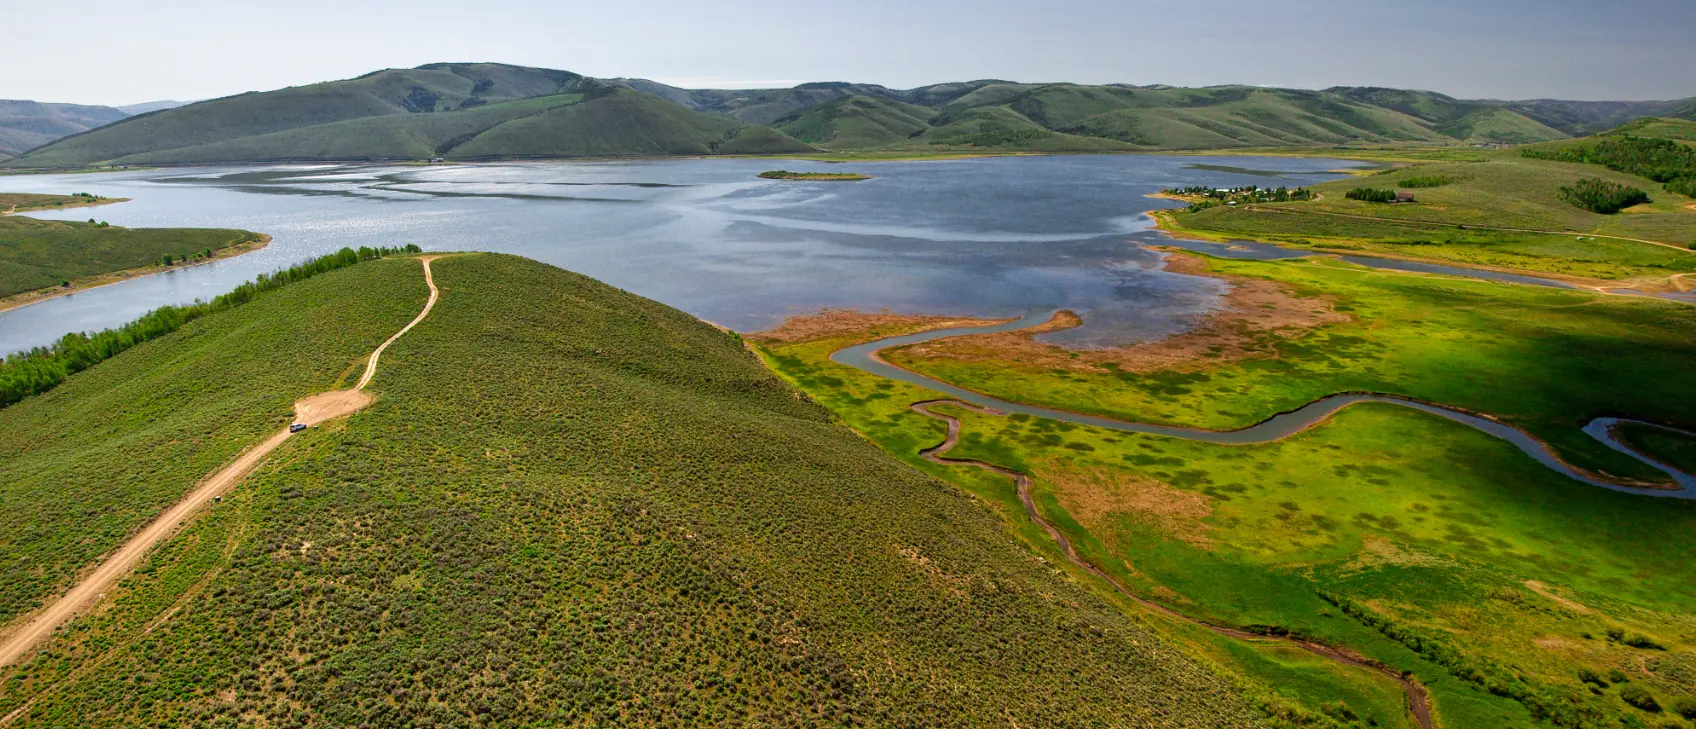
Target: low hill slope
{"type": "Point", "coordinates": [858, 122]}
{"type": "Point", "coordinates": [569, 506]}
{"type": "Point", "coordinates": [1678, 130]}
{"type": "Point", "coordinates": [25, 125]}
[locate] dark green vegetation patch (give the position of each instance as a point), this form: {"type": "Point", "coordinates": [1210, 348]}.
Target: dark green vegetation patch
{"type": "Point", "coordinates": [1371, 194]}
{"type": "Point", "coordinates": [569, 506]}
{"type": "Point", "coordinates": [1602, 196]}
{"type": "Point", "coordinates": [1662, 160]}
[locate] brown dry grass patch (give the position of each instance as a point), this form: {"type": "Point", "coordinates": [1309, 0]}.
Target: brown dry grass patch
{"type": "Point", "coordinates": [1542, 589]}
{"type": "Point", "coordinates": [1095, 496]}
{"type": "Point", "coordinates": [1257, 314]}
{"type": "Point", "coordinates": [861, 325]}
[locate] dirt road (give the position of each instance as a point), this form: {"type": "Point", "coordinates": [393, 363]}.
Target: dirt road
{"type": "Point", "coordinates": [86, 593]}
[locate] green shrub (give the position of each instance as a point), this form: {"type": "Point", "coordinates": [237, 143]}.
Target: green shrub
{"type": "Point", "coordinates": [1602, 196]}
{"type": "Point", "coordinates": [1639, 697]}
{"type": "Point", "coordinates": [1588, 676]}
{"type": "Point", "coordinates": [1639, 640]}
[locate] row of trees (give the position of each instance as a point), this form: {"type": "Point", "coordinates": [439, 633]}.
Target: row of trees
{"type": "Point", "coordinates": [1602, 196]}
{"type": "Point", "coordinates": [1371, 194]}
{"type": "Point", "coordinates": [43, 368]}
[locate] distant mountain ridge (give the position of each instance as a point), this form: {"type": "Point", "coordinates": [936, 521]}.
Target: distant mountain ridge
{"type": "Point", "coordinates": [460, 111]}
{"type": "Point", "coordinates": [999, 114]}
{"type": "Point", "coordinates": [481, 111]}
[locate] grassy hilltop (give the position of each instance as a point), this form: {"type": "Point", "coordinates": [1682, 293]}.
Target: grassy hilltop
{"type": "Point", "coordinates": [568, 506]}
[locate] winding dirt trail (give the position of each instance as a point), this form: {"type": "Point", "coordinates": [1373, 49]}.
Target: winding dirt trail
{"type": "Point", "coordinates": [1418, 701]}
{"type": "Point", "coordinates": [88, 592]}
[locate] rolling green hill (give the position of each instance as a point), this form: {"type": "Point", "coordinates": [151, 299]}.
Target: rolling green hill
{"type": "Point", "coordinates": [429, 111]}
{"type": "Point", "coordinates": [28, 124]}
{"type": "Point", "coordinates": [1007, 116]}
{"type": "Point", "coordinates": [474, 111]}
{"type": "Point", "coordinates": [569, 506]}
{"type": "Point", "coordinates": [858, 122]}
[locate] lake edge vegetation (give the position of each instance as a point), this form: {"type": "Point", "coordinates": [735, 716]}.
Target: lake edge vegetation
{"type": "Point", "coordinates": [38, 370]}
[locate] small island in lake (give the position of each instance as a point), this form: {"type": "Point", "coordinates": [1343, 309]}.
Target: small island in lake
{"type": "Point", "coordinates": [824, 176]}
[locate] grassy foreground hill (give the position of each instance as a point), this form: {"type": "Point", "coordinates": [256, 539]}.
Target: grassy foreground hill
{"type": "Point", "coordinates": [452, 110]}
{"type": "Point", "coordinates": [569, 506]}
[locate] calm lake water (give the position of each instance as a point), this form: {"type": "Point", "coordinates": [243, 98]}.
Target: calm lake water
{"type": "Point", "coordinates": [981, 237]}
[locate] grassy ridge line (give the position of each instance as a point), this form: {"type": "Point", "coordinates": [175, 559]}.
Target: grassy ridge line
{"type": "Point", "coordinates": [41, 369]}
{"type": "Point", "coordinates": [574, 506]}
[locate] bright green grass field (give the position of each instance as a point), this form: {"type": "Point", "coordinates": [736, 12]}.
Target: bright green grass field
{"type": "Point", "coordinates": [878, 409]}
{"type": "Point", "coordinates": [1505, 190]}
{"type": "Point", "coordinates": [36, 254]}
{"type": "Point", "coordinates": [1544, 359]}
{"type": "Point", "coordinates": [570, 506]}
{"type": "Point", "coordinates": [1434, 526]}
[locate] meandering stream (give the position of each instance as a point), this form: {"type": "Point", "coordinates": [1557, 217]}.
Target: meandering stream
{"type": "Point", "coordinates": [865, 357]}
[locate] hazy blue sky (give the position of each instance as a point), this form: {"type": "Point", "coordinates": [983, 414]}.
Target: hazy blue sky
{"type": "Point", "coordinates": [111, 52]}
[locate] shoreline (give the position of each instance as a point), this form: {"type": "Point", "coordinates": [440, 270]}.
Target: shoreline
{"type": "Point", "coordinates": [84, 204]}
{"type": "Point", "coordinates": [894, 155]}
{"type": "Point", "coordinates": [89, 283]}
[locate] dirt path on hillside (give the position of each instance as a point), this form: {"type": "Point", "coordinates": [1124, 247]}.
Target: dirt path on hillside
{"type": "Point", "coordinates": [90, 589]}
{"type": "Point", "coordinates": [1418, 701]}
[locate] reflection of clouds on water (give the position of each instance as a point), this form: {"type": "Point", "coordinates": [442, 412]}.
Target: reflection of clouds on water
{"type": "Point", "coordinates": [985, 237]}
